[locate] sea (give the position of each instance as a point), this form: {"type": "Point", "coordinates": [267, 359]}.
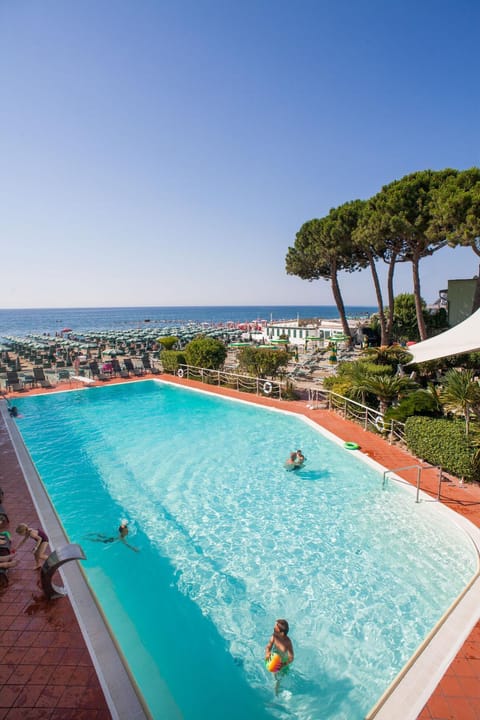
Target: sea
{"type": "Point", "coordinates": [51, 321]}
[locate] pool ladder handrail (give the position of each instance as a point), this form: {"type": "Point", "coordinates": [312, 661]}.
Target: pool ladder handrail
{"type": "Point", "coordinates": [419, 469]}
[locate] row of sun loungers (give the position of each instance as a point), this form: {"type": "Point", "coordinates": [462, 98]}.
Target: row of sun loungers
{"type": "Point", "coordinates": [114, 368]}
{"type": "Point", "coordinates": [88, 374]}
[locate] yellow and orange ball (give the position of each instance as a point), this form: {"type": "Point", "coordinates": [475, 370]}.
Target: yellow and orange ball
{"type": "Point", "coordinates": [274, 663]}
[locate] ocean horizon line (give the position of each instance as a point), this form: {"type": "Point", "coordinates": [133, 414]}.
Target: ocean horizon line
{"type": "Point", "coordinates": [140, 307]}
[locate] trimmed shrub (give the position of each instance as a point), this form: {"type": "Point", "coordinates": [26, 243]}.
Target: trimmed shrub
{"type": "Point", "coordinates": [172, 359]}
{"type": "Point", "coordinates": [262, 362]}
{"type": "Point", "coordinates": [442, 442]}
{"type": "Point", "coordinates": [206, 352]}
{"type": "Point", "coordinates": [167, 342]}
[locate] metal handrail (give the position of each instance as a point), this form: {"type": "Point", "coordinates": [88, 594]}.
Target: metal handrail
{"type": "Point", "coordinates": [419, 469]}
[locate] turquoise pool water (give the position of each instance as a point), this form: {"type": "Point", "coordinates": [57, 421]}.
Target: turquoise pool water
{"type": "Point", "coordinates": [229, 541]}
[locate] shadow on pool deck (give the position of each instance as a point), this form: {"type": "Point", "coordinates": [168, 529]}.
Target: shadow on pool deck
{"type": "Point", "coordinates": [45, 668]}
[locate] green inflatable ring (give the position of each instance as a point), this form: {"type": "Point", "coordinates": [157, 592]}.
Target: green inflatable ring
{"type": "Point", "coordinates": [352, 445]}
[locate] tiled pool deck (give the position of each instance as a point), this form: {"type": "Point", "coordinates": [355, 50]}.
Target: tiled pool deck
{"type": "Point", "coordinates": [45, 667]}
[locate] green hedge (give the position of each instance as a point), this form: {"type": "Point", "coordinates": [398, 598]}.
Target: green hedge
{"type": "Point", "coordinates": [442, 442]}
{"type": "Point", "coordinates": [171, 359]}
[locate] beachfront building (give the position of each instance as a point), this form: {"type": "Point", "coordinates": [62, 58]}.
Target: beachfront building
{"type": "Point", "coordinates": [461, 295]}
{"type": "Point", "coordinates": [297, 332]}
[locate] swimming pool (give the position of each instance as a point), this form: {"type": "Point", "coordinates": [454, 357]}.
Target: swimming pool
{"type": "Point", "coordinates": [229, 541]}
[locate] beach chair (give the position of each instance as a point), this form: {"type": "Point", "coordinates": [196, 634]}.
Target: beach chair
{"type": "Point", "coordinates": [40, 379]}
{"type": "Point", "coordinates": [13, 382]}
{"type": "Point", "coordinates": [63, 375]}
{"type": "Point", "coordinates": [118, 370]}
{"type": "Point", "coordinates": [148, 367]}
{"type": "Point", "coordinates": [97, 373]}
{"type": "Point", "coordinates": [131, 367]}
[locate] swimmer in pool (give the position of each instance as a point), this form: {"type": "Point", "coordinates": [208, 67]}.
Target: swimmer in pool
{"type": "Point", "coordinates": [280, 643]}
{"type": "Point", "coordinates": [122, 535]}
{"type": "Point", "coordinates": [291, 461]}
{"type": "Point", "coordinates": [300, 458]}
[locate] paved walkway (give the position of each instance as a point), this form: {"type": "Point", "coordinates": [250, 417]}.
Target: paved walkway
{"type": "Point", "coordinates": [45, 668]}
{"type": "Point", "coordinates": [46, 672]}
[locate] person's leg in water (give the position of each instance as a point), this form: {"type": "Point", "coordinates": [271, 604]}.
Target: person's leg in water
{"type": "Point", "coordinates": [100, 537]}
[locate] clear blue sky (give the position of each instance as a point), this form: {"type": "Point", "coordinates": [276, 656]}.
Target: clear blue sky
{"type": "Point", "coordinates": [166, 152]}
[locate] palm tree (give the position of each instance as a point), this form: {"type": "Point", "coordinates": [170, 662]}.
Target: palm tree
{"type": "Point", "coordinates": [460, 394]}
{"type": "Point", "coordinates": [387, 355]}
{"type": "Point", "coordinates": [357, 375]}
{"type": "Point", "coordinates": [388, 388]}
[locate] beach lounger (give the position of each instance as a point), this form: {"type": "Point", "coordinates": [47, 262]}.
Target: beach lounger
{"type": "Point", "coordinates": [118, 370]}
{"type": "Point", "coordinates": [40, 379]}
{"type": "Point", "coordinates": [131, 368]}
{"type": "Point", "coordinates": [97, 373]}
{"type": "Point", "coordinates": [13, 382]}
{"type": "Point", "coordinates": [148, 366]}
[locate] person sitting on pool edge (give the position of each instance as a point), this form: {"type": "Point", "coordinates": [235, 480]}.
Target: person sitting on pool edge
{"type": "Point", "coordinates": [280, 643]}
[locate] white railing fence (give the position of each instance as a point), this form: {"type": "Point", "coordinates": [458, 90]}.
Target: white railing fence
{"type": "Point", "coordinates": [226, 378]}
{"type": "Point", "coordinates": [368, 417]}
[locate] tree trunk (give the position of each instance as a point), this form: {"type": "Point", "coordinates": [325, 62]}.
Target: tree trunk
{"type": "Point", "coordinates": [378, 292]}
{"type": "Point", "coordinates": [339, 300]}
{"type": "Point", "coordinates": [391, 297]}
{"type": "Point", "coordinates": [418, 298]}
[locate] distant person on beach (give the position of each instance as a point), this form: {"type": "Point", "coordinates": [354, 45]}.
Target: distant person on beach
{"type": "Point", "coordinates": [122, 535]}
{"type": "Point", "coordinates": [41, 542]}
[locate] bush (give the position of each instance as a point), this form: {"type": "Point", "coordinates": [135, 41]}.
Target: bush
{"type": "Point", "coordinates": [420, 402]}
{"type": "Point", "coordinates": [206, 352]}
{"type": "Point", "coordinates": [262, 362]}
{"type": "Point", "coordinates": [167, 342]}
{"type": "Point", "coordinates": [442, 442]}
{"type": "Point", "coordinates": [172, 359]}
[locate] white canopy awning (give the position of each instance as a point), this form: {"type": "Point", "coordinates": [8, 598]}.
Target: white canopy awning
{"type": "Point", "coordinates": [463, 338]}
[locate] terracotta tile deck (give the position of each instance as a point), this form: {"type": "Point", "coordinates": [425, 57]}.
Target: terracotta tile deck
{"type": "Point", "coordinates": [45, 669]}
